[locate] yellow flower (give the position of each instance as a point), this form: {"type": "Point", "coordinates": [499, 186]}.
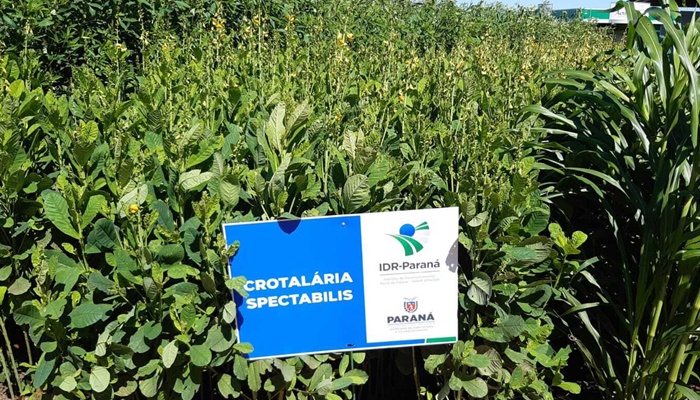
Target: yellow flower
{"type": "Point", "coordinates": [134, 208]}
{"type": "Point", "coordinates": [350, 37]}
{"type": "Point", "coordinates": [256, 20]}
{"type": "Point", "coordinates": [340, 40]}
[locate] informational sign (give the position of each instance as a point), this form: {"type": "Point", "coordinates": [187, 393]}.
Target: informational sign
{"type": "Point", "coordinates": [347, 282]}
{"type": "Point", "coordinates": [620, 16]}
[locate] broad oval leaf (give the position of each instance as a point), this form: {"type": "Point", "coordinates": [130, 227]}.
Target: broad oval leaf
{"type": "Point", "coordinates": [99, 379]}
{"type": "Point", "coordinates": [479, 290]}
{"type": "Point", "coordinates": [28, 314]}
{"type": "Point", "coordinates": [225, 386]}
{"type": "Point", "coordinates": [170, 354]}
{"type": "Point", "coordinates": [20, 286]}
{"type": "Point", "coordinates": [200, 355]}
{"type": "Point", "coordinates": [191, 180]}
{"type": "Point", "coordinates": [87, 314]}
{"type": "Point", "coordinates": [476, 387]}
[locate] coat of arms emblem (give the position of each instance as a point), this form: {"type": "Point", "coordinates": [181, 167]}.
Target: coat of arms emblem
{"type": "Point", "coordinates": [410, 305]}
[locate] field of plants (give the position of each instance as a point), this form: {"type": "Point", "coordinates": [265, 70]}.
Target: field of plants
{"type": "Point", "coordinates": [131, 129]}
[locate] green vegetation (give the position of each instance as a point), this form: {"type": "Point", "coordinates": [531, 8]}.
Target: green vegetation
{"type": "Point", "coordinates": [129, 131]}
{"type": "Point", "coordinates": [627, 151]}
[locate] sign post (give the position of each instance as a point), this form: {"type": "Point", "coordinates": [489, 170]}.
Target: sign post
{"type": "Point", "coordinates": [346, 282]}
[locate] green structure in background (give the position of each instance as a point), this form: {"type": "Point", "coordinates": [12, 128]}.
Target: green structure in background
{"type": "Point", "coordinates": [617, 20]}
{"type": "Point", "coordinates": [619, 17]}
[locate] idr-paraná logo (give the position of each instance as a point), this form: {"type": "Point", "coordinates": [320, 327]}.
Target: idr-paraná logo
{"type": "Point", "coordinates": [412, 238]}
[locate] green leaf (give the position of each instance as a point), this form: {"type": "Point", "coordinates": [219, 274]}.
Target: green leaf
{"type": "Point", "coordinates": [254, 382]}
{"type": "Point", "coordinates": [45, 367]}
{"type": "Point", "coordinates": [479, 290]}
{"type": "Point", "coordinates": [200, 355]}
{"type": "Point", "coordinates": [134, 197]}
{"type": "Point", "coordinates": [358, 376]}
{"type": "Point", "coordinates": [194, 179]}
{"type": "Point", "coordinates": [225, 386]}
{"type": "Point", "coordinates": [324, 371]}
{"type": "Point", "coordinates": [68, 384]}
{"type": "Point", "coordinates": [495, 361]}
{"type": "Point", "coordinates": [243, 347]}
{"type": "Point", "coordinates": [87, 314]}
{"type": "Point", "coordinates": [56, 210]}
{"type": "Point", "coordinates": [5, 272]}
{"type": "Point", "coordinates": [103, 236]}
{"type": "Point", "coordinates": [522, 376]}
{"type": "Point", "coordinates": [476, 387]}
{"type": "Point", "coordinates": [94, 206]}
{"type": "Point", "coordinates": [577, 239]}
{"type": "Point", "coordinates": [54, 309]}
{"type": "Point", "coordinates": [572, 387]}
{"type": "Point", "coordinates": [288, 371]}
{"type": "Point", "coordinates": [229, 313]}
{"type": "Point", "coordinates": [341, 383]}
{"type": "Point", "coordinates": [689, 393]}
{"type": "Point", "coordinates": [355, 193]}
{"type": "Point", "coordinates": [298, 117]}
{"type": "Point", "coordinates": [149, 386]}
{"type": "Point", "coordinates": [434, 361]}
{"type": "Point", "coordinates": [128, 388]}
{"type": "Point", "coordinates": [508, 328]}
{"type": "Point", "coordinates": [204, 151]}
{"type": "Point", "coordinates": [97, 281]}
{"type": "Point", "coordinates": [358, 357]}
{"type": "Point", "coordinates": [537, 221]}
{"type": "Point", "coordinates": [150, 287]}
{"type": "Point", "coordinates": [344, 363]}
{"type": "Point", "coordinates": [333, 396]}
{"type": "Point", "coordinates": [310, 361]}
{"type": "Point", "coordinates": [477, 360]}
{"type": "Point", "coordinates": [28, 314]}
{"type": "Point", "coordinates": [152, 366]}
{"type": "Point", "coordinates": [240, 367]}
{"type": "Point", "coordinates": [238, 284]}
{"type": "Point", "coordinates": [455, 382]}
{"type": "Point", "coordinates": [169, 354]}
{"type": "Point", "coordinates": [478, 219]}
{"type": "Point", "coordinates": [20, 286]}
{"type": "Point", "coordinates": [274, 128]}
{"type": "Point", "coordinates": [67, 276]}
{"type": "Point", "coordinates": [99, 379]}
{"type": "Point", "coordinates": [16, 87]}
{"type": "Point", "coordinates": [230, 193]}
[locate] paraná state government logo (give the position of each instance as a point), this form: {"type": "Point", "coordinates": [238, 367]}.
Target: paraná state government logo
{"type": "Point", "coordinates": [410, 305]}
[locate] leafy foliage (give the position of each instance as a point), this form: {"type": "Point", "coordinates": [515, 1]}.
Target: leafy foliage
{"type": "Point", "coordinates": [623, 149]}
{"type": "Point", "coordinates": [126, 145]}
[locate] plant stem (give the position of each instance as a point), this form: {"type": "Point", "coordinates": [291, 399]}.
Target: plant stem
{"type": "Point", "coordinates": [416, 379]}
{"type": "Point", "coordinates": [6, 371]}
{"type": "Point", "coordinates": [689, 368]}
{"type": "Point", "coordinates": [29, 347]}
{"type": "Point", "coordinates": [681, 349]}
{"type": "Point", "coordinates": [9, 351]}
